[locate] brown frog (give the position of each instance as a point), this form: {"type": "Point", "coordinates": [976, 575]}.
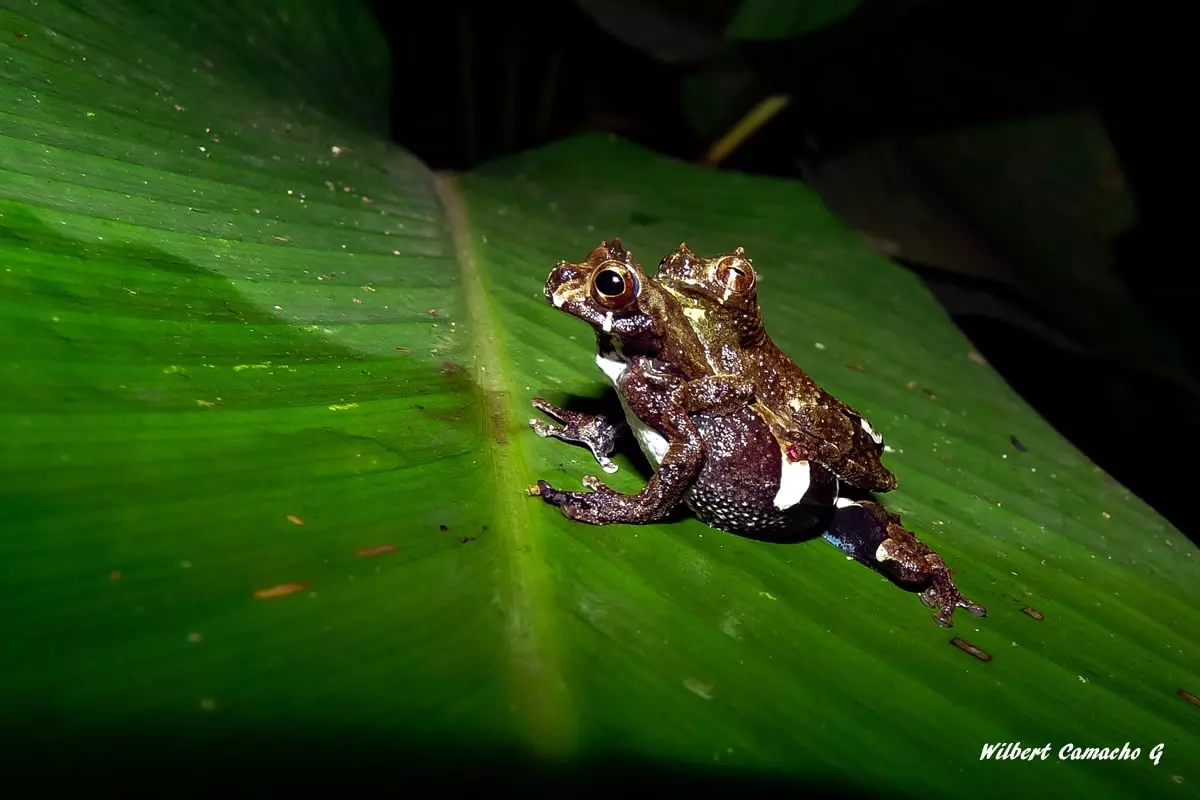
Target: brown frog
{"type": "Point", "coordinates": [709, 450]}
{"type": "Point", "coordinates": [719, 425]}
{"type": "Point", "coordinates": [815, 430]}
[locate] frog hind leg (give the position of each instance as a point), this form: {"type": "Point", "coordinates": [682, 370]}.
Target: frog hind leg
{"type": "Point", "coordinates": [593, 430]}
{"type": "Point", "coordinates": [661, 494]}
{"type": "Point", "coordinates": [871, 535]}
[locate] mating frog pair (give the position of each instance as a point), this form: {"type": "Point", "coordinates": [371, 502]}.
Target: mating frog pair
{"type": "Point", "coordinates": [733, 428]}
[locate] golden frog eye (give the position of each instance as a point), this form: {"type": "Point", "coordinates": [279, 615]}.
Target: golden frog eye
{"type": "Point", "coordinates": [735, 275]}
{"type": "Point", "coordinates": [614, 286]}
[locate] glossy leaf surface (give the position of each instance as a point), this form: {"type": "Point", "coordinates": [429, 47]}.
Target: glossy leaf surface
{"type": "Point", "coordinates": [264, 451]}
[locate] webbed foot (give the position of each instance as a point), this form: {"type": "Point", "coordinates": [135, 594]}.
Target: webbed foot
{"type": "Point", "coordinates": [592, 430]}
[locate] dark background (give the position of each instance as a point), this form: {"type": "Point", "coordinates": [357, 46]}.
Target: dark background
{"type": "Point", "coordinates": [1032, 162]}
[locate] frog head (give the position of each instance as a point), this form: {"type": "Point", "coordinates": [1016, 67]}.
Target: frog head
{"type": "Point", "coordinates": [611, 292]}
{"type": "Point", "coordinates": [719, 294]}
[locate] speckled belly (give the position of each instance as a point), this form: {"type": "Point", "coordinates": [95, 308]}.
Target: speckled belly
{"type": "Point", "coordinates": [738, 489]}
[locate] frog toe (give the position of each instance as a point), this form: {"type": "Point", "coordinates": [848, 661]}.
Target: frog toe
{"type": "Point", "coordinates": [596, 485]}
{"type": "Point", "coordinates": [555, 497]}
{"type": "Point", "coordinates": [943, 596]}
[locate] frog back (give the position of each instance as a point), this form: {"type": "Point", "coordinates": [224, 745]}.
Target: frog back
{"type": "Point", "coordinates": [820, 427]}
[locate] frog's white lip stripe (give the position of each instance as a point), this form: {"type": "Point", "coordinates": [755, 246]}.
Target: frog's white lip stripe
{"type": "Point", "coordinates": [558, 300]}
{"type": "Point", "coordinates": [607, 326]}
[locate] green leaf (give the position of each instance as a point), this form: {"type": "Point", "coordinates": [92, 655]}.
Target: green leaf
{"type": "Point", "coordinates": [250, 344]}
{"type": "Point", "coordinates": [779, 19]}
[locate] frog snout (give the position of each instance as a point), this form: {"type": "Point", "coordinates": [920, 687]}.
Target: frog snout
{"type": "Point", "coordinates": [560, 282]}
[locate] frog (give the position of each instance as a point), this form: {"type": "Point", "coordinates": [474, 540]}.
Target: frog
{"type": "Point", "coordinates": [720, 299]}
{"type": "Point", "coordinates": [721, 439]}
{"type": "Point", "coordinates": [710, 452]}
{"type": "Point", "coordinates": [816, 430]}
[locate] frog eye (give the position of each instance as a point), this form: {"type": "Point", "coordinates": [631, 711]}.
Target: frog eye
{"type": "Point", "coordinates": [614, 286]}
{"type": "Point", "coordinates": [735, 275]}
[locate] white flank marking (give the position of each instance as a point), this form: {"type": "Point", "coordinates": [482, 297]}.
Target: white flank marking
{"type": "Point", "coordinates": [866, 426]}
{"type": "Point", "coordinates": [844, 502]}
{"type": "Point", "coordinates": [613, 368]}
{"type": "Point", "coordinates": [653, 444]}
{"type": "Point", "coordinates": [793, 483]}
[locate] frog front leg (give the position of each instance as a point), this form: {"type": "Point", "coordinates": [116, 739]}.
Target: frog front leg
{"type": "Point", "coordinates": [718, 395]}
{"type": "Point", "coordinates": [867, 532]}
{"type": "Point", "coordinates": [676, 472]}
{"type": "Point", "coordinates": [592, 430]}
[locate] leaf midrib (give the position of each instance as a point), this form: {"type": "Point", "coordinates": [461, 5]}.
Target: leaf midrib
{"type": "Point", "coordinates": [541, 698]}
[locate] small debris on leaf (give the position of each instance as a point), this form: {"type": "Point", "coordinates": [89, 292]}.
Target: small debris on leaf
{"type": "Point", "coordinates": [282, 590]}
{"type": "Point", "coordinates": [1017, 444]}
{"type": "Point", "coordinates": [1191, 698]}
{"type": "Point", "coordinates": [292, 518]}
{"type": "Point", "coordinates": [195, 638]}
{"type": "Point", "coordinates": [911, 385]}
{"type": "Point", "coordinates": [370, 552]}
{"type": "Point", "coordinates": [857, 367]}
{"type": "Point", "coordinates": [977, 357]}
{"type": "Point", "coordinates": [1106, 515]}
{"type": "Point", "coordinates": [970, 649]}
{"type": "Point", "coordinates": [115, 575]}
{"type": "Point", "coordinates": [467, 539]}
{"type": "Point", "coordinates": [443, 528]}
{"type": "Point", "coordinates": [433, 312]}
{"type": "Point", "coordinates": [1033, 612]}
{"type": "Point", "coordinates": [402, 350]}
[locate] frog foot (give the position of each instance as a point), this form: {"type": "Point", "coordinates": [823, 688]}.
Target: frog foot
{"type": "Point", "coordinates": [913, 561]}
{"type": "Point", "coordinates": [591, 506]}
{"type": "Point", "coordinates": [868, 533]}
{"type": "Point", "coordinates": [592, 430]}
{"type": "Point", "coordinates": [944, 596]}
